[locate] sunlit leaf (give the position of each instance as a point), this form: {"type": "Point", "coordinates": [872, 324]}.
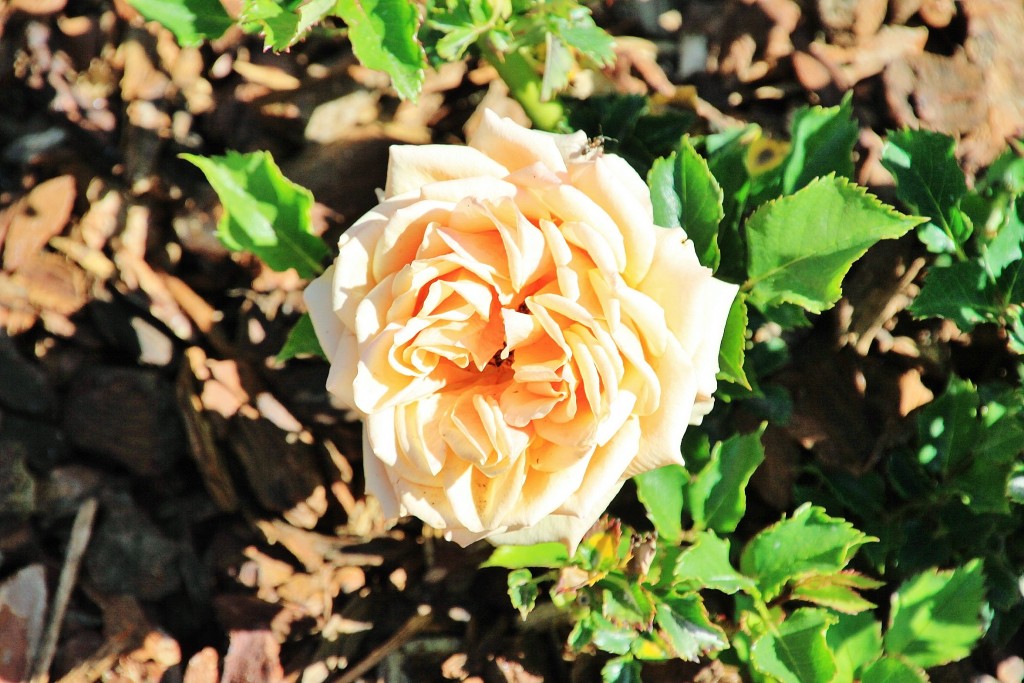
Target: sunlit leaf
{"type": "Point", "coordinates": [935, 617]}
{"type": "Point", "coordinates": [798, 652]}
{"type": "Point", "coordinates": [264, 212]}
{"type": "Point", "coordinates": [191, 21]}
{"type": "Point", "coordinates": [801, 246]}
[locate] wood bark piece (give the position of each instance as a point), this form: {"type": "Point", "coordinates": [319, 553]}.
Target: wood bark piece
{"type": "Point", "coordinates": [253, 656]}
{"type": "Point", "coordinates": [202, 442]}
{"type": "Point", "coordinates": [34, 219]}
{"type": "Point", "coordinates": [22, 611]}
{"type": "Point", "coordinates": [81, 532]}
{"type": "Point", "coordinates": [127, 415]}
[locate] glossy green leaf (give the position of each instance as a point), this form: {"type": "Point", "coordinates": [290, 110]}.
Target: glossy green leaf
{"type": "Point", "coordinates": [732, 352]}
{"type": "Point", "coordinates": [578, 29]}
{"type": "Point", "coordinates": [808, 542]}
{"type": "Point", "coordinates": [684, 623]}
{"type": "Point", "coordinates": [621, 670]}
{"type": "Point", "coordinates": [798, 653]}
{"type": "Point", "coordinates": [537, 555]}
{"type": "Point", "coordinates": [929, 180]}
{"type": "Point", "coordinates": [984, 484]}
{"type": "Point", "coordinates": [894, 670]}
{"type": "Point", "coordinates": [706, 564]}
{"type": "Point", "coordinates": [685, 194]}
{"type": "Point", "coordinates": [1011, 284]}
{"type": "Point", "coordinates": [717, 495]}
{"type": "Point", "coordinates": [856, 642]}
{"type": "Point", "coordinates": [961, 292]}
{"type": "Point", "coordinates": [948, 427]}
{"type": "Point", "coordinates": [801, 246]}
{"type": "Point", "coordinates": [609, 636]}
{"type": "Point", "coordinates": [301, 341]}
{"type": "Point", "coordinates": [191, 21]}
{"type": "Point", "coordinates": [626, 603]}
{"type": "Point", "coordinates": [837, 591]}
{"type": "Point", "coordinates": [264, 212]}
{"type": "Point", "coordinates": [1007, 246]}
{"type": "Point", "coordinates": [663, 493]}
{"type": "Point", "coordinates": [278, 23]}
{"type": "Point", "coordinates": [935, 617]}
{"type": "Point", "coordinates": [822, 143]}
{"type": "Point", "coordinates": [522, 590]}
{"type": "Point", "coordinates": [383, 35]}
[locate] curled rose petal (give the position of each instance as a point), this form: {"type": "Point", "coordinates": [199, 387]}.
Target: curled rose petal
{"type": "Point", "coordinates": [517, 334]}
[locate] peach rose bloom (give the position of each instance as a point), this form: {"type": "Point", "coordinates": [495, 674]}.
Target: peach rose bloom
{"type": "Point", "coordinates": [517, 334]}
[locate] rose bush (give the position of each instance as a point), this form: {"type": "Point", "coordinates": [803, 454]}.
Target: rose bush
{"type": "Point", "coordinates": [517, 335]}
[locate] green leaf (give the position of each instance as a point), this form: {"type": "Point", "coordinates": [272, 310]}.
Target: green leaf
{"type": "Point", "coordinates": [984, 484]}
{"type": "Point", "coordinates": [717, 497]}
{"type": "Point", "coordinates": [798, 653]}
{"type": "Point", "coordinates": [822, 143]}
{"type": "Point", "coordinates": [1011, 284]}
{"type": "Point", "coordinates": [191, 21]}
{"type": "Point", "coordinates": [312, 12]}
{"type": "Point", "coordinates": [621, 670]}
{"type": "Point", "coordinates": [836, 591]}
{"type": "Point", "coordinates": [801, 246]}
{"type": "Point", "coordinates": [279, 25]}
{"type": "Point", "coordinates": [948, 427]}
{"type": "Point", "coordinates": [685, 625]}
{"type": "Point", "coordinates": [663, 493]}
{"type": "Point", "coordinates": [808, 542]}
{"type": "Point", "coordinates": [522, 590]}
{"type": "Point", "coordinates": [558, 65]}
{"type": "Point", "coordinates": [686, 195]}
{"type": "Point", "coordinates": [893, 670]}
{"type": "Point", "coordinates": [302, 341]}
{"type": "Point", "coordinates": [961, 292]}
{"type": "Point", "coordinates": [856, 642]}
{"type": "Point", "coordinates": [706, 564]}
{"type": "Point", "coordinates": [609, 636]}
{"type": "Point", "coordinates": [929, 179]}
{"type": "Point", "coordinates": [1007, 246]}
{"type": "Point", "coordinates": [264, 212]}
{"type": "Point", "coordinates": [626, 603]}
{"type": "Point", "coordinates": [383, 35]}
{"type": "Point", "coordinates": [734, 342]}
{"type": "Point", "coordinates": [935, 617]}
{"type": "Point", "coordinates": [726, 155]}
{"type": "Point", "coordinates": [538, 555]}
{"type": "Point", "coordinates": [579, 31]}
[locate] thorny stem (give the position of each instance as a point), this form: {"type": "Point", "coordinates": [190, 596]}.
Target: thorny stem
{"type": "Point", "coordinates": [525, 85]}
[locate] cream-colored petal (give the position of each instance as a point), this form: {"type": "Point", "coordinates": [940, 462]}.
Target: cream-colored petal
{"type": "Point", "coordinates": [696, 307]}
{"type": "Point", "coordinates": [568, 529]}
{"type": "Point", "coordinates": [410, 167]}
{"type": "Point", "coordinates": [515, 147]}
{"type": "Point", "coordinates": [353, 274]}
{"type": "Point", "coordinates": [614, 186]}
{"type": "Point", "coordinates": [378, 483]}
{"type": "Point", "coordinates": [662, 431]}
{"type": "Point", "coordinates": [605, 471]}
{"type": "Point", "coordinates": [456, 190]}
{"type": "Point", "coordinates": [320, 304]}
{"type": "Point", "coordinates": [342, 374]}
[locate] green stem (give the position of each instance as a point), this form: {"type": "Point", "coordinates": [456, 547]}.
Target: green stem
{"type": "Point", "coordinates": [525, 85]}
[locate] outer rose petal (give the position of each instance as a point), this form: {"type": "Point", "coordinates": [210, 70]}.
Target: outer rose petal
{"type": "Point", "coordinates": [319, 303]}
{"type": "Point", "coordinates": [516, 147]}
{"type": "Point", "coordinates": [411, 167]}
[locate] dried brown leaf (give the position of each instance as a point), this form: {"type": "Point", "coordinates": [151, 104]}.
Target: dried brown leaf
{"type": "Point", "coordinates": [35, 218]}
